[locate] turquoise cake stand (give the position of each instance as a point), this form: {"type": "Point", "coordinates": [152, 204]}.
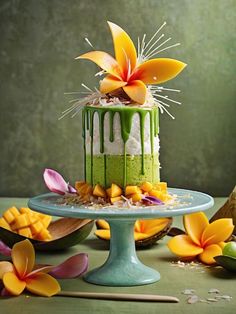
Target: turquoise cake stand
{"type": "Point", "coordinates": [123, 268]}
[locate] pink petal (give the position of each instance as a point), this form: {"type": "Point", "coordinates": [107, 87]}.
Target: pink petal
{"type": "Point", "coordinates": [71, 189]}
{"type": "Point", "coordinates": [4, 249]}
{"type": "Point", "coordinates": [72, 267]}
{"type": "Point", "coordinates": [5, 293]}
{"type": "Point", "coordinates": [55, 182]}
{"type": "Point", "coordinates": [41, 269]}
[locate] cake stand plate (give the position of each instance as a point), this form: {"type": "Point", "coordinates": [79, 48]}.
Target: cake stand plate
{"type": "Point", "coordinates": [123, 268]}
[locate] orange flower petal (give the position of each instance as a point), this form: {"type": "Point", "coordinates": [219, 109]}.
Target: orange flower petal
{"type": "Point", "coordinates": [104, 61]}
{"type": "Point", "coordinates": [23, 257]}
{"type": "Point", "coordinates": [137, 91]}
{"type": "Point", "coordinates": [13, 284]}
{"type": "Point", "coordinates": [110, 83]}
{"type": "Point", "coordinates": [218, 231]}
{"type": "Point", "coordinates": [160, 70]}
{"type": "Point", "coordinates": [195, 224]}
{"type": "Point", "coordinates": [183, 246]}
{"type": "Point", "coordinates": [43, 284]}
{"type": "Point", "coordinates": [125, 51]}
{"type": "Point", "coordinates": [207, 256]}
{"type": "Point", "coordinates": [5, 267]}
{"type": "Point", "coordinates": [222, 244]}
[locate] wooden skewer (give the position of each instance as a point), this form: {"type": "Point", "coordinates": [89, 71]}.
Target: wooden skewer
{"type": "Point", "coordinates": [119, 296]}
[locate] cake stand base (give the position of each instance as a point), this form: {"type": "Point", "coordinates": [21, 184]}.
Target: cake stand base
{"type": "Point", "coordinates": [122, 268]}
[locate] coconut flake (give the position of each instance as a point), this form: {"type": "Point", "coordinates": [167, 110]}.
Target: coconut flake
{"type": "Point", "coordinates": [193, 299]}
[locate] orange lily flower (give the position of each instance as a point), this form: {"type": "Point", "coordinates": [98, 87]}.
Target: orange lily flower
{"type": "Point", "coordinates": [203, 240]}
{"type": "Point", "coordinates": [20, 275]}
{"type": "Point", "coordinates": [125, 71]}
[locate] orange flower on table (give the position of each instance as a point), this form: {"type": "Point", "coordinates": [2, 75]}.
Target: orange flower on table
{"type": "Point", "coordinates": [202, 239]}
{"type": "Point", "coordinates": [126, 72]}
{"type": "Point", "coordinates": [19, 275]}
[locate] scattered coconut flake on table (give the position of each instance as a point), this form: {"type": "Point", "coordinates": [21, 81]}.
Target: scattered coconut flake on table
{"type": "Point", "coordinates": [213, 290]}
{"type": "Point", "coordinates": [193, 265]}
{"type": "Point", "coordinates": [188, 291]}
{"type": "Point", "coordinates": [192, 299]}
{"type": "Point", "coordinates": [212, 300]}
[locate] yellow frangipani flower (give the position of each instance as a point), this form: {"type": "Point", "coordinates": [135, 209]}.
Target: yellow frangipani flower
{"type": "Point", "coordinates": [202, 239]}
{"type": "Point", "coordinates": [20, 274]}
{"type": "Point", "coordinates": [125, 72]}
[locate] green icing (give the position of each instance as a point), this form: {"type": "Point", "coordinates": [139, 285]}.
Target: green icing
{"type": "Point", "coordinates": [105, 173]}
{"type": "Point", "coordinates": [97, 167]}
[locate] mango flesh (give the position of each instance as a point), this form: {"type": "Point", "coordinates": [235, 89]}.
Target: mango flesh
{"type": "Point", "coordinates": [146, 232]}
{"type": "Point", "coordinates": [99, 191]}
{"type": "Point", "coordinates": [27, 223]}
{"type": "Point", "coordinates": [114, 192]}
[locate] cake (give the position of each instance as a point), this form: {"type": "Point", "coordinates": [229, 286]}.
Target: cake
{"type": "Point", "coordinates": [121, 145]}
{"type": "Point", "coordinates": [120, 123]}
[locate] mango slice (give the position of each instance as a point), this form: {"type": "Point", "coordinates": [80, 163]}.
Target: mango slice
{"type": "Point", "coordinates": [27, 223]}
{"type": "Point", "coordinates": [131, 189]}
{"type": "Point", "coordinates": [115, 190]}
{"type": "Point", "coordinates": [146, 232]}
{"type": "Point", "coordinates": [99, 191]}
{"type": "Point", "coordinates": [136, 197]}
{"type": "Point", "coordinates": [4, 224]}
{"type": "Point", "coordinates": [146, 186]}
{"type": "Point", "coordinates": [115, 199]}
{"type": "Point", "coordinates": [162, 186]}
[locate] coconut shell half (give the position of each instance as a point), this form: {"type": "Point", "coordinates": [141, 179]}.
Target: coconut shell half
{"type": "Point", "coordinates": [66, 232]}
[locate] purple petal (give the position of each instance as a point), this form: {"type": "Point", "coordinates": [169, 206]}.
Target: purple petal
{"type": "Point", "coordinates": [152, 200]}
{"type": "Point", "coordinates": [4, 249]}
{"type": "Point", "coordinates": [55, 182]}
{"type": "Point", "coordinates": [72, 267]}
{"type": "Point", "coordinates": [5, 293]}
{"type": "Point", "coordinates": [41, 269]}
{"type": "Point", "coordinates": [71, 189]}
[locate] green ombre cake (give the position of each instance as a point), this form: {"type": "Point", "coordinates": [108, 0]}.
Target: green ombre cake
{"type": "Point", "coordinates": [121, 145]}
{"type": "Point", "coordinates": [120, 122]}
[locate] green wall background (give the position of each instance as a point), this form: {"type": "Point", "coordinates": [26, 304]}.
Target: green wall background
{"type": "Point", "coordinates": [38, 42]}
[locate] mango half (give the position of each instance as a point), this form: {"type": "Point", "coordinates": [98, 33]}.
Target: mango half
{"type": "Point", "coordinates": [146, 232]}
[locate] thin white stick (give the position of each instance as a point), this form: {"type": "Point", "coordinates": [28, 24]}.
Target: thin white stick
{"type": "Point", "coordinates": [168, 89]}
{"type": "Point", "coordinates": [142, 45]}
{"type": "Point", "coordinates": [172, 46]}
{"type": "Point", "coordinates": [146, 52]}
{"type": "Point", "coordinates": [138, 47]}
{"type": "Point", "coordinates": [71, 93]}
{"type": "Point", "coordinates": [163, 103]}
{"type": "Point", "coordinates": [100, 73]}
{"type": "Point", "coordinates": [163, 43]}
{"type": "Point", "coordinates": [163, 107]}
{"type": "Point", "coordinates": [88, 42]}
{"type": "Point", "coordinates": [155, 34]}
{"type": "Point", "coordinates": [86, 87]}
{"type": "Point", "coordinates": [167, 98]}
{"type": "Point", "coordinates": [72, 100]}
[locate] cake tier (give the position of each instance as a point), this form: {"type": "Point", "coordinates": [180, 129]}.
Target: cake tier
{"type": "Point", "coordinates": [121, 145]}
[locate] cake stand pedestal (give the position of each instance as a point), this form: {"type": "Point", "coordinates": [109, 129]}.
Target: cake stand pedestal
{"type": "Point", "coordinates": [123, 268]}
